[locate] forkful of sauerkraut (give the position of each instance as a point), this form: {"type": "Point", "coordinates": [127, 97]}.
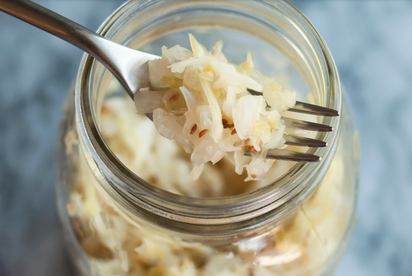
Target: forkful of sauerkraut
{"type": "Point", "coordinates": [209, 106]}
{"type": "Point", "coordinates": [215, 109]}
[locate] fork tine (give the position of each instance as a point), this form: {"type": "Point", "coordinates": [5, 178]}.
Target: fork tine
{"type": "Point", "coordinates": [306, 125]}
{"type": "Point", "coordinates": [288, 155]}
{"type": "Point", "coordinates": [312, 109]}
{"type": "Point", "coordinates": [293, 140]}
{"type": "Point", "coordinates": [306, 108]}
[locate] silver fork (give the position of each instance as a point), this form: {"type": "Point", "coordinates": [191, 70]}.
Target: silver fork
{"type": "Point", "coordinates": [129, 66]}
{"type": "Point", "coordinates": [293, 140]}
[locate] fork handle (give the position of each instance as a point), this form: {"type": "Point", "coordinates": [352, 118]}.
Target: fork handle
{"type": "Point", "coordinates": [54, 24]}
{"type": "Point", "coordinates": [96, 45]}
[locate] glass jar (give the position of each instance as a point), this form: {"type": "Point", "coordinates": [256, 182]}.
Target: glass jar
{"type": "Point", "coordinates": [119, 220]}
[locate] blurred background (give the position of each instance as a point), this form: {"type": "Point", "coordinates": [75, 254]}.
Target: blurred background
{"type": "Point", "coordinates": [372, 45]}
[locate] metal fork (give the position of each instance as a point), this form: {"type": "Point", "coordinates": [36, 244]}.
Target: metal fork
{"type": "Point", "coordinates": [293, 140]}
{"type": "Point", "coordinates": [129, 66]}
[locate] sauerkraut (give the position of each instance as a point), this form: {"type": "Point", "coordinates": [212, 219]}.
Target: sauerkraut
{"type": "Point", "coordinates": [204, 120]}
{"type": "Point", "coordinates": [201, 101]}
{"type": "Point", "coordinates": [115, 244]}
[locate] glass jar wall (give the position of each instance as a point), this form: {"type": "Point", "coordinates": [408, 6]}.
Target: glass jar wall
{"type": "Point", "coordinates": [125, 197]}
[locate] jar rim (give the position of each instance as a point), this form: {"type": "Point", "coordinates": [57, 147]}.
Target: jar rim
{"type": "Point", "coordinates": [134, 192]}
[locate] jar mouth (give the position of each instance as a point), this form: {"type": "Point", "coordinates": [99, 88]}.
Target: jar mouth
{"type": "Point", "coordinates": [315, 63]}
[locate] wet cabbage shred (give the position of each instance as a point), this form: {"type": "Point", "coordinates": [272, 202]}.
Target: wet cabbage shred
{"type": "Point", "coordinates": [201, 101]}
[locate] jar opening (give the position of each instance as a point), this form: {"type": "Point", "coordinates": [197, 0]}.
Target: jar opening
{"type": "Point", "coordinates": [143, 24]}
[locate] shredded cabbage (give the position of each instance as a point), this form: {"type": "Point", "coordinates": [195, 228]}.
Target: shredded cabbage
{"type": "Point", "coordinates": [201, 101]}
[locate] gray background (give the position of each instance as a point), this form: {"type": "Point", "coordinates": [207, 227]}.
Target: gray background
{"type": "Point", "coordinates": [372, 45]}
